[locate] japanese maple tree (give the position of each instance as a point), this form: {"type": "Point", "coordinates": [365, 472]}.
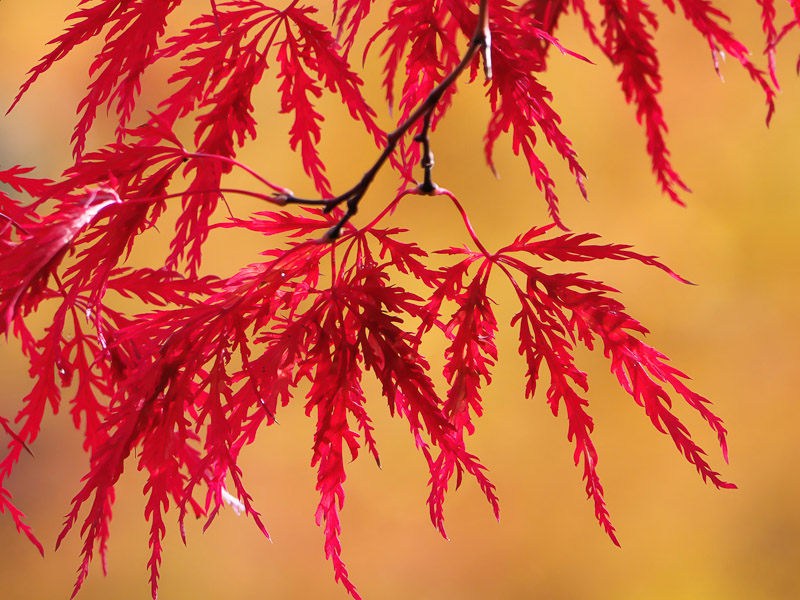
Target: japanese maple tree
{"type": "Point", "coordinates": [180, 388]}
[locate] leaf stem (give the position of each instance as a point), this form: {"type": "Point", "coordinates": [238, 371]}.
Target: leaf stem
{"type": "Point", "coordinates": [282, 192]}
{"type": "Point", "coordinates": [467, 223]}
{"type": "Point", "coordinates": [12, 223]}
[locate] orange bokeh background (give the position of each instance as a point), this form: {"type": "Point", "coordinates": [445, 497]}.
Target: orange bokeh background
{"type": "Point", "coordinates": [735, 333]}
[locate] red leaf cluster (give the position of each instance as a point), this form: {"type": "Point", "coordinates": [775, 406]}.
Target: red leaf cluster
{"type": "Point", "coordinates": [181, 387]}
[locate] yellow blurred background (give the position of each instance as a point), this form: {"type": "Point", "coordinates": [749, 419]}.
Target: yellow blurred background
{"type": "Point", "coordinates": [736, 333]}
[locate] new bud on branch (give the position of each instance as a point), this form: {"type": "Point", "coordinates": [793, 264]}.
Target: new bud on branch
{"type": "Point", "coordinates": [179, 389]}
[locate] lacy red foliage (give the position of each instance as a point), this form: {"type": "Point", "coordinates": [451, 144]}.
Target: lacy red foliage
{"type": "Point", "coordinates": [182, 387]}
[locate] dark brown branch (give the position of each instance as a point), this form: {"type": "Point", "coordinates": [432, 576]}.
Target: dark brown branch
{"type": "Point", "coordinates": [481, 40]}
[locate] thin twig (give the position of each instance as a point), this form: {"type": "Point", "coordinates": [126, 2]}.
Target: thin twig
{"type": "Point", "coordinates": [486, 33]}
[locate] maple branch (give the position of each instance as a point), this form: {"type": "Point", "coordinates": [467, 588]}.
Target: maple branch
{"type": "Point", "coordinates": [481, 40]}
